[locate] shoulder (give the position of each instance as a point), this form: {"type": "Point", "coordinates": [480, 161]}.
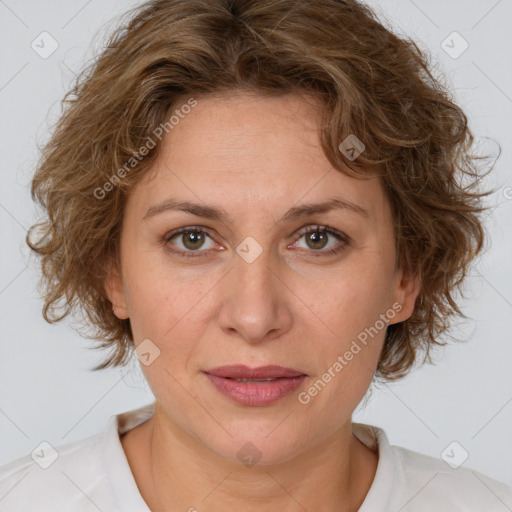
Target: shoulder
{"type": "Point", "coordinates": [429, 482]}
{"type": "Point", "coordinates": [54, 478]}
{"type": "Point", "coordinates": [413, 482]}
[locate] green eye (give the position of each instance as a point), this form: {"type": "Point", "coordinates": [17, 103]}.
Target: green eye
{"type": "Point", "coordinates": [317, 237]}
{"type": "Point", "coordinates": [194, 238]}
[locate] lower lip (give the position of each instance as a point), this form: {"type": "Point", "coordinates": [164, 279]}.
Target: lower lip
{"type": "Point", "coordinates": [256, 394]}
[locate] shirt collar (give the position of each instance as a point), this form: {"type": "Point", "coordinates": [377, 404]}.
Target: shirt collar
{"type": "Point", "coordinates": [116, 464]}
{"type": "Point", "coordinates": [130, 500]}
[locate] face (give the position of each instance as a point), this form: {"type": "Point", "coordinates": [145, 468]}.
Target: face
{"type": "Point", "coordinates": [264, 284]}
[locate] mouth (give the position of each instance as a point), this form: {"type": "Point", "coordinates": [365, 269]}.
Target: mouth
{"type": "Point", "coordinates": [260, 373]}
{"type": "Point", "coordinates": [255, 386]}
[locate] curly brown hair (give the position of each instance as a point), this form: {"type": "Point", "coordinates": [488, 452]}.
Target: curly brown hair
{"type": "Point", "coordinates": [371, 83]}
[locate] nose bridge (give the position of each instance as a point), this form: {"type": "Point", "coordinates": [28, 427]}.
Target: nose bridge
{"type": "Point", "coordinates": [255, 302]}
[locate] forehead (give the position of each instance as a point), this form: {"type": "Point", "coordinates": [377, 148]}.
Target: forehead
{"type": "Point", "coordinates": [246, 133]}
{"type": "Point", "coordinates": [251, 153]}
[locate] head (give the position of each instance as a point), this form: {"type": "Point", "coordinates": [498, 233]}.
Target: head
{"type": "Point", "coordinates": [200, 102]}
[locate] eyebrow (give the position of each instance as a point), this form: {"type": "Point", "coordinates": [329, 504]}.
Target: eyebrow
{"type": "Point", "coordinates": [221, 215]}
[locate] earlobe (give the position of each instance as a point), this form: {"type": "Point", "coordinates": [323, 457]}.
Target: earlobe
{"type": "Point", "coordinates": [407, 289]}
{"type": "Point", "coordinates": [115, 292]}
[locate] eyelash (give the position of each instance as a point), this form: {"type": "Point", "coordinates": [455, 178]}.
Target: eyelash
{"type": "Point", "coordinates": [322, 229]}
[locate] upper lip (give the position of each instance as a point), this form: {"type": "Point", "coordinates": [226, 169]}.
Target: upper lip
{"type": "Point", "coordinates": [261, 372]}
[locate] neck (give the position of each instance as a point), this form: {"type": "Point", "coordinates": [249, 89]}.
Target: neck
{"type": "Point", "coordinates": [175, 472]}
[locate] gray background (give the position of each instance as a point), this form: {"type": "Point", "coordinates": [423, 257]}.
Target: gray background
{"type": "Point", "coordinates": [47, 391]}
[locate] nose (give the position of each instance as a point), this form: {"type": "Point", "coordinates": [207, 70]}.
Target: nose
{"type": "Point", "coordinates": [255, 300]}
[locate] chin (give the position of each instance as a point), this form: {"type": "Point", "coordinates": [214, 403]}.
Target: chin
{"type": "Point", "coordinates": [264, 442]}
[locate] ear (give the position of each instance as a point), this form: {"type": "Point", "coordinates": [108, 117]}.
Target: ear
{"type": "Point", "coordinates": [115, 292]}
{"type": "Point", "coordinates": [406, 290]}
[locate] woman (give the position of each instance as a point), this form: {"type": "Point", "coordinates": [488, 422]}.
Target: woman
{"type": "Point", "coordinates": [264, 201]}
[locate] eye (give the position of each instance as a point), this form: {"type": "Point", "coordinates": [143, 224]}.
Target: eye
{"type": "Point", "coordinates": [192, 239]}
{"type": "Point", "coordinates": [317, 238]}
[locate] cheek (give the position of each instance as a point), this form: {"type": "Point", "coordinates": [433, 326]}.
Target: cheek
{"type": "Point", "coordinates": [161, 302]}
{"type": "Point", "coordinates": [347, 353]}
{"type": "Point", "coordinates": [349, 311]}
{"type": "Point", "coordinates": [354, 300]}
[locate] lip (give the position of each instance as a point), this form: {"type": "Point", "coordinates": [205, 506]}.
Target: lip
{"type": "Point", "coordinates": [240, 371]}
{"type": "Point", "coordinates": [256, 394]}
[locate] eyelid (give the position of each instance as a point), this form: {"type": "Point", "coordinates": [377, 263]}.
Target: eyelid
{"type": "Point", "coordinates": [323, 227]}
{"type": "Point", "coordinates": [300, 232]}
{"type": "Point", "coordinates": [187, 229]}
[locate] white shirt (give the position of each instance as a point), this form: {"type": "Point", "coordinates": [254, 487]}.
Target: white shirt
{"type": "Point", "coordinates": [93, 474]}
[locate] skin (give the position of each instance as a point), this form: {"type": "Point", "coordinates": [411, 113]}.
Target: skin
{"type": "Point", "coordinates": [255, 157]}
